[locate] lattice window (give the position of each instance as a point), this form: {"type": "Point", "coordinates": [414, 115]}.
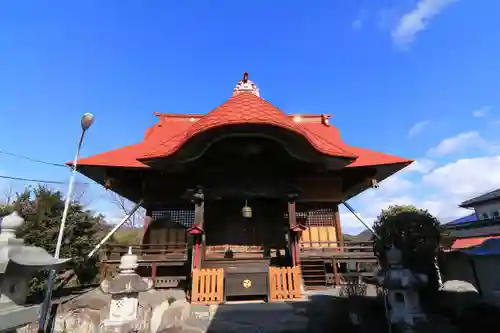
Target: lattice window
{"type": "Point", "coordinates": [317, 217]}
{"type": "Point", "coordinates": [321, 217]}
{"type": "Point", "coordinates": [120, 303]}
{"type": "Point", "coordinates": [184, 217]}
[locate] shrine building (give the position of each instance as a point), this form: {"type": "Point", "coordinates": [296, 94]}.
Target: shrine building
{"type": "Point", "coordinates": [244, 190]}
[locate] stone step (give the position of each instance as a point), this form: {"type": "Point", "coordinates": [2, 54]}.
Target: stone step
{"type": "Point", "coordinates": [251, 317]}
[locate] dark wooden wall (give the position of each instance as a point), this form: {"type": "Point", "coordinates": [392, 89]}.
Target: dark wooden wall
{"type": "Point", "coordinates": [165, 230]}
{"type": "Point", "coordinates": [225, 225]}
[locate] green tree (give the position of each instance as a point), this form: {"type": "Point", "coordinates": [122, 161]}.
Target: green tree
{"type": "Point", "coordinates": [416, 233]}
{"type": "Point", "coordinates": [42, 210]}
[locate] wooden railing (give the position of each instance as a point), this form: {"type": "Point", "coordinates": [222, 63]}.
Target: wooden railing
{"type": "Point", "coordinates": [284, 283]}
{"type": "Point", "coordinates": [207, 286]}
{"type": "Point", "coordinates": [335, 246]}
{"type": "Point", "coordinates": [234, 251]}
{"type": "Point", "coordinates": [146, 252]}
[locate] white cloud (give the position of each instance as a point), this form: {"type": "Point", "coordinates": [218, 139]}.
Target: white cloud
{"type": "Point", "coordinates": [357, 24]}
{"type": "Point", "coordinates": [463, 142]}
{"type": "Point", "coordinates": [482, 112]}
{"type": "Point", "coordinates": [351, 225]}
{"type": "Point", "coordinates": [466, 177]}
{"type": "Point", "coordinates": [417, 128]}
{"type": "Point", "coordinates": [439, 188]}
{"type": "Point", "coordinates": [423, 165]}
{"type": "Point", "coordinates": [416, 20]}
{"type": "Point", "coordinates": [440, 191]}
{"type": "Point", "coordinates": [360, 19]}
{"type": "Point", "coordinates": [393, 185]}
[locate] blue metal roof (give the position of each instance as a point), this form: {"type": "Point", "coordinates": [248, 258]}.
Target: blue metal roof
{"type": "Point", "coordinates": [464, 219]}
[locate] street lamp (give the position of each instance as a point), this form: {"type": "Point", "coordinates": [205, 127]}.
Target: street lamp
{"type": "Point", "coordinates": [86, 121]}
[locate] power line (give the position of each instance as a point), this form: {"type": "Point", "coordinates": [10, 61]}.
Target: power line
{"type": "Point", "coordinates": [33, 159]}
{"type": "Point", "coordinates": [37, 180]}
{"type": "Point", "coordinates": [33, 180]}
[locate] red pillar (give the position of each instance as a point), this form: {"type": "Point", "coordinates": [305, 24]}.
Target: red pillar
{"type": "Point", "coordinates": [196, 252]}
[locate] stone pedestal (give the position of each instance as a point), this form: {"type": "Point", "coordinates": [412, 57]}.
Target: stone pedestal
{"type": "Point", "coordinates": [14, 317]}
{"type": "Point", "coordinates": [402, 292]}
{"type": "Point", "coordinates": [124, 290]}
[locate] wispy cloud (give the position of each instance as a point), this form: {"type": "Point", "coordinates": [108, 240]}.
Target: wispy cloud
{"type": "Point", "coordinates": [417, 128]}
{"type": "Point", "coordinates": [422, 166]}
{"type": "Point", "coordinates": [360, 20]}
{"type": "Point", "coordinates": [462, 142]}
{"type": "Point", "coordinates": [357, 24]}
{"type": "Point", "coordinates": [482, 112]}
{"type": "Point", "coordinates": [416, 20]}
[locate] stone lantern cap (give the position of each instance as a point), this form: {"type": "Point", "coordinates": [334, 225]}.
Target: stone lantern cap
{"type": "Point", "coordinates": [403, 279]}
{"type": "Point", "coordinates": [394, 256]}
{"type": "Point", "coordinates": [15, 255]}
{"type": "Point", "coordinates": [127, 281]}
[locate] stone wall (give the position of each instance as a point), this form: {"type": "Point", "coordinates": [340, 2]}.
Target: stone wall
{"type": "Point", "coordinates": [159, 311]}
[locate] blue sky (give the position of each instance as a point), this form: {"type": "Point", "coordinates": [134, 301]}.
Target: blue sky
{"type": "Point", "coordinates": [397, 76]}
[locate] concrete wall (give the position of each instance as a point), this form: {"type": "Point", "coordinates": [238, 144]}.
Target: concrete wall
{"type": "Point", "coordinates": [458, 267]}
{"type": "Point", "coordinates": [488, 208]}
{"type": "Point", "coordinates": [488, 272]}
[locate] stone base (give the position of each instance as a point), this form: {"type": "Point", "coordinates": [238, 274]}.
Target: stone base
{"type": "Point", "coordinates": [108, 326]}
{"type": "Point", "coordinates": [13, 317]}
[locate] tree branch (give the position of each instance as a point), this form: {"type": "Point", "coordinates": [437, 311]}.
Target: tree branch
{"type": "Point", "coordinates": [125, 206]}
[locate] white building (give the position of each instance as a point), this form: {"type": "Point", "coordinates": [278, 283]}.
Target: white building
{"type": "Point", "coordinates": [483, 223]}
{"type": "Point", "coordinates": [486, 206]}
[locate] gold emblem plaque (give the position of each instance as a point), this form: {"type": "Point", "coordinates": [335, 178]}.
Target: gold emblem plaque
{"type": "Point", "coordinates": [247, 284]}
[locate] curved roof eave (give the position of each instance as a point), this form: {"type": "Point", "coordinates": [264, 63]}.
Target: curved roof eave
{"type": "Point", "coordinates": [245, 109]}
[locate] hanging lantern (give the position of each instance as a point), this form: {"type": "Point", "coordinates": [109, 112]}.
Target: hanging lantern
{"type": "Point", "coordinates": [109, 183]}
{"type": "Point", "coordinates": [246, 211]}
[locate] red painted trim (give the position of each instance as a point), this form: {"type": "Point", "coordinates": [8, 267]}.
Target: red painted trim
{"type": "Point", "coordinates": [297, 255]}
{"type": "Point", "coordinates": [298, 227]}
{"type": "Point", "coordinates": [195, 230]}
{"type": "Point", "coordinates": [463, 243]}
{"type": "Point", "coordinates": [196, 253]}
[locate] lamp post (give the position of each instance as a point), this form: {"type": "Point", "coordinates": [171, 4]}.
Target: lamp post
{"type": "Point", "coordinates": [86, 121]}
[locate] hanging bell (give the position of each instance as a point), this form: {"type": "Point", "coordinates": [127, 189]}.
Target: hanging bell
{"type": "Point", "coordinates": [246, 211]}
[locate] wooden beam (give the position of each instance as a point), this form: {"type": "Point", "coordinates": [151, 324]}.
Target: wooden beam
{"type": "Point", "coordinates": [338, 227]}
{"type": "Point", "coordinates": [324, 188]}
{"type": "Point", "coordinates": [293, 237]}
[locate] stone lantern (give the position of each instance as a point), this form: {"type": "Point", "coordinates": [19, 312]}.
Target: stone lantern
{"type": "Point", "coordinates": [402, 287]}
{"type": "Point", "coordinates": [18, 264]}
{"type": "Point", "coordinates": [124, 290]}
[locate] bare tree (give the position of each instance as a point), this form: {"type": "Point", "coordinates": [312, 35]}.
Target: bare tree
{"type": "Point", "coordinates": [126, 206]}
{"type": "Point", "coordinates": [79, 191]}
{"type": "Point", "coordinates": [8, 194]}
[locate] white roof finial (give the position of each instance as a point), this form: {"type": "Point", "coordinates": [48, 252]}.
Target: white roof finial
{"type": "Point", "coordinates": [246, 85]}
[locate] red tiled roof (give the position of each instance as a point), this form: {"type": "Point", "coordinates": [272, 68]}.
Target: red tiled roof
{"type": "Point", "coordinates": [465, 243]}
{"type": "Point", "coordinates": [166, 137]}
{"type": "Point", "coordinates": [368, 157]}
{"type": "Point", "coordinates": [246, 108]}
{"type": "Point", "coordinates": [124, 157]}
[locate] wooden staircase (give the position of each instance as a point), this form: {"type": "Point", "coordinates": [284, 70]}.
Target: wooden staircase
{"type": "Point", "coordinates": [313, 273]}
